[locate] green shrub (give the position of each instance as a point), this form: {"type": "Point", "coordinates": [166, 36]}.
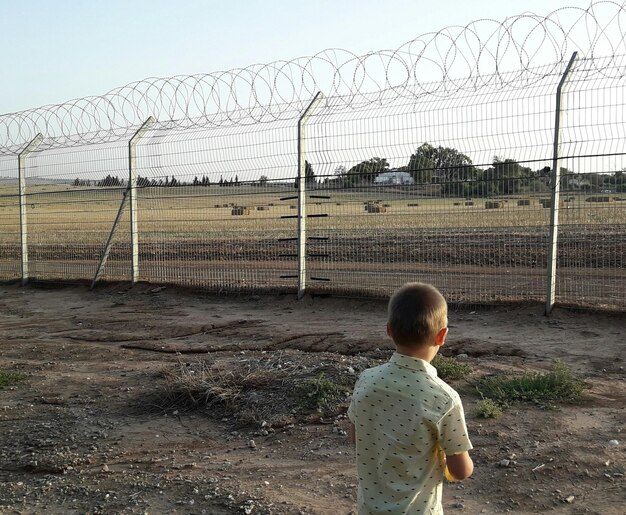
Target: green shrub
{"type": "Point", "coordinates": [450, 368]}
{"type": "Point", "coordinates": [8, 378]}
{"type": "Point", "coordinates": [321, 392]}
{"type": "Point", "coordinates": [488, 408]}
{"type": "Point", "coordinates": [559, 385]}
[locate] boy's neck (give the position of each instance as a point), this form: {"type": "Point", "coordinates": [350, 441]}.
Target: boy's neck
{"type": "Point", "coordinates": [425, 352]}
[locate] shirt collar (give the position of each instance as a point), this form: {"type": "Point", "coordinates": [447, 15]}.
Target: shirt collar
{"type": "Point", "coordinates": [416, 364]}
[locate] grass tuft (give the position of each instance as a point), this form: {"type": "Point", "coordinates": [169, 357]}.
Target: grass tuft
{"type": "Point", "coordinates": [321, 392]}
{"type": "Point", "coordinates": [488, 408]}
{"type": "Point", "coordinates": [547, 389]}
{"type": "Point", "coordinates": [450, 368]}
{"type": "Point", "coordinates": [8, 378]}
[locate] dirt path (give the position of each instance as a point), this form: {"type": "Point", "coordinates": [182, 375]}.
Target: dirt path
{"type": "Point", "coordinates": [84, 432]}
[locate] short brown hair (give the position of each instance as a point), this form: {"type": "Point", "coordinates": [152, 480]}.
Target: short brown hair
{"type": "Point", "coordinates": [417, 312]}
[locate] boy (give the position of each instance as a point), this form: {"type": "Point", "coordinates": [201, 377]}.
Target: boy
{"type": "Point", "coordinates": [407, 423]}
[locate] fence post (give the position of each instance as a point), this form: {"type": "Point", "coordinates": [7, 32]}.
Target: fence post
{"type": "Point", "coordinates": [302, 194]}
{"type": "Point", "coordinates": [21, 164]}
{"type": "Point", "coordinates": [556, 192]}
{"type": "Point", "coordinates": [132, 189]}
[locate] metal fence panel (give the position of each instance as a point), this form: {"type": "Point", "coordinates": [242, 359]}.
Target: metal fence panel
{"type": "Point", "coordinates": [209, 214]}
{"type": "Point", "coordinates": [9, 219]}
{"type": "Point", "coordinates": [73, 196]}
{"type": "Point", "coordinates": [592, 232]}
{"type": "Point", "coordinates": [472, 220]}
{"type": "Point", "coordinates": [391, 178]}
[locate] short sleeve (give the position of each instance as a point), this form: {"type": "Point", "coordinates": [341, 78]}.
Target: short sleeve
{"type": "Point", "coordinates": [453, 436]}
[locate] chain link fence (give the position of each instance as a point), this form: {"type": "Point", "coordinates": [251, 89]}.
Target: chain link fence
{"type": "Point", "coordinates": [495, 186]}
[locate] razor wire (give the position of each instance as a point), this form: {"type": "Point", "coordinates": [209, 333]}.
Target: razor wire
{"type": "Point", "coordinates": [478, 55]}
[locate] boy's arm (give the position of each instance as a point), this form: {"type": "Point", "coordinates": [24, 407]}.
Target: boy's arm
{"type": "Point", "coordinates": [460, 466]}
{"type": "Point", "coordinates": [455, 442]}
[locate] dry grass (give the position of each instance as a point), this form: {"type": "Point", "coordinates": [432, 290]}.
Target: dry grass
{"type": "Point", "coordinates": [274, 389]}
{"type": "Point", "coordinates": [78, 216]}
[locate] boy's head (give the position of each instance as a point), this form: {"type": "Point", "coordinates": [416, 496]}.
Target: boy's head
{"type": "Point", "coordinates": [417, 316]}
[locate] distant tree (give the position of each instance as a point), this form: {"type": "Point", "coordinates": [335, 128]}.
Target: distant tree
{"type": "Point", "coordinates": [263, 180]}
{"type": "Point", "coordinates": [309, 176]}
{"type": "Point", "coordinates": [340, 171]}
{"type": "Point", "coordinates": [110, 181]}
{"type": "Point", "coordinates": [143, 181]}
{"type": "Point", "coordinates": [620, 181]}
{"type": "Point", "coordinates": [221, 181]}
{"type": "Point", "coordinates": [196, 182]}
{"type": "Point", "coordinates": [442, 163]}
{"type": "Point", "coordinates": [507, 177]}
{"type": "Point", "coordinates": [236, 180]}
{"type": "Point", "coordinates": [363, 173]}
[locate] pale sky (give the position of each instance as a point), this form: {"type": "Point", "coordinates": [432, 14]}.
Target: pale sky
{"type": "Point", "coordinates": [54, 51]}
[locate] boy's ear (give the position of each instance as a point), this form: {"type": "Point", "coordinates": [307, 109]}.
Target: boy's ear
{"type": "Point", "coordinates": [440, 339]}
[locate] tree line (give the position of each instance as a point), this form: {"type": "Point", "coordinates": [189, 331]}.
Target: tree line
{"type": "Point", "coordinates": [451, 170]}
{"type": "Point", "coordinates": [459, 177]}
{"type": "Point", "coordinates": [114, 181]}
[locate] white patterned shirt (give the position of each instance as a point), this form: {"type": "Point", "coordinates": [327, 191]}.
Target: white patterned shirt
{"type": "Point", "coordinates": [406, 421]}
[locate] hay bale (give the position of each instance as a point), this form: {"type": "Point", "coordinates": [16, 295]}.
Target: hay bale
{"type": "Point", "coordinates": [494, 204]}
{"type": "Point", "coordinates": [218, 205]}
{"type": "Point", "coordinates": [598, 199]}
{"type": "Point", "coordinates": [386, 205]}
{"type": "Point", "coordinates": [375, 208]}
{"type": "Point", "coordinates": [414, 204]}
{"type": "Point", "coordinates": [545, 202]}
{"type": "Point", "coordinates": [523, 202]}
{"type": "Point", "coordinates": [262, 208]}
{"type": "Point", "coordinates": [240, 210]}
{"type": "Point", "coordinates": [469, 202]}
{"type": "Point", "coordinates": [292, 207]}
{"type": "Point", "coordinates": [456, 203]}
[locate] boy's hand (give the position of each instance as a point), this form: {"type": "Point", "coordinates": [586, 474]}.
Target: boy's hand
{"type": "Point", "coordinates": [459, 466]}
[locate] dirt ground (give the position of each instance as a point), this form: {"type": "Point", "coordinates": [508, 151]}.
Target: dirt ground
{"type": "Point", "coordinates": [84, 431]}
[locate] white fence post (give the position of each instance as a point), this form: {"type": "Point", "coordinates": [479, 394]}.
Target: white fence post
{"type": "Point", "coordinates": [21, 164]}
{"type": "Point", "coordinates": [556, 193]}
{"type": "Point", "coordinates": [302, 194]}
{"type": "Point", "coordinates": [132, 188]}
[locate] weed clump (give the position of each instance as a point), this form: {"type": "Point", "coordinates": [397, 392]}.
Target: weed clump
{"type": "Point", "coordinates": [274, 390]}
{"type": "Point", "coordinates": [450, 368]}
{"type": "Point", "coordinates": [9, 378]}
{"type": "Point", "coordinates": [559, 385]}
{"type": "Point", "coordinates": [488, 408]}
{"type": "Point", "coordinates": [319, 393]}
